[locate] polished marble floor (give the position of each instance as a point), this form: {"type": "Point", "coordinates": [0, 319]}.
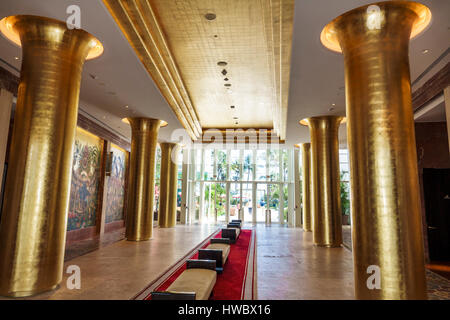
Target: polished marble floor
{"type": "Point", "coordinates": [291, 268]}
{"type": "Point", "coordinates": [122, 269]}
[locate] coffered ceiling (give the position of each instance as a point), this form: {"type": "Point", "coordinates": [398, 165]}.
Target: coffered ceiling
{"type": "Point", "coordinates": [220, 64]}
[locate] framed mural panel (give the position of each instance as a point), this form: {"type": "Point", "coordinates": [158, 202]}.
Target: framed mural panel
{"type": "Point", "coordinates": [83, 203]}
{"type": "Point", "coordinates": [115, 196]}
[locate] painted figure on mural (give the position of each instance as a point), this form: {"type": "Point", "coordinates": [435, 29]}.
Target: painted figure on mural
{"type": "Point", "coordinates": [116, 186]}
{"type": "Point", "coordinates": [84, 187]}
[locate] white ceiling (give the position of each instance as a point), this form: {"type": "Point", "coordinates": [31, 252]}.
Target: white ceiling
{"type": "Point", "coordinates": [317, 74]}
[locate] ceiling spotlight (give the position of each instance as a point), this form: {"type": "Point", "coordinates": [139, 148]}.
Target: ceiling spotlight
{"type": "Point", "coordinates": [227, 84]}
{"type": "Point", "coordinates": [236, 122]}
{"type": "Point", "coordinates": [126, 107]}
{"type": "Point", "coordinates": [226, 79]}
{"type": "Point", "coordinates": [232, 107]}
{"type": "Point", "coordinates": [210, 16]}
{"type": "Point", "coordinates": [425, 51]}
{"type": "Point", "coordinates": [224, 72]}
{"type": "Point", "coordinates": [333, 104]}
{"type": "Point", "coordinates": [16, 58]}
{"type": "Point", "coordinates": [235, 118]}
{"type": "Point", "coordinates": [222, 63]}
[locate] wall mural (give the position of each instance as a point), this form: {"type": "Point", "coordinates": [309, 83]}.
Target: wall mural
{"type": "Point", "coordinates": [83, 202]}
{"type": "Point", "coordinates": [116, 185]}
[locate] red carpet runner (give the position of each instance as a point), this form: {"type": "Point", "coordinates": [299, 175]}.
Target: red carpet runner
{"type": "Point", "coordinates": [237, 281]}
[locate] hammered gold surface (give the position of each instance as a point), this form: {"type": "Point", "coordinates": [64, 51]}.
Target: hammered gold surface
{"type": "Point", "coordinates": [168, 185]}
{"type": "Point", "coordinates": [325, 192]}
{"type": "Point", "coordinates": [181, 50]}
{"type": "Point", "coordinates": [141, 182]}
{"type": "Point", "coordinates": [385, 198]}
{"type": "Point", "coordinates": [305, 149]}
{"type": "Point", "coordinates": [36, 198]}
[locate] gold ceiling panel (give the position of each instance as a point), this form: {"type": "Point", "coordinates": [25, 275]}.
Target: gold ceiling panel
{"type": "Point", "coordinates": [181, 49]}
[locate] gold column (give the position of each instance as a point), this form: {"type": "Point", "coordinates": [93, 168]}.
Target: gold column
{"type": "Point", "coordinates": [141, 185]}
{"type": "Point", "coordinates": [34, 218]}
{"type": "Point", "coordinates": [168, 190]}
{"type": "Point", "coordinates": [325, 192]}
{"type": "Point", "coordinates": [306, 182]}
{"type": "Point", "coordinates": [387, 231]}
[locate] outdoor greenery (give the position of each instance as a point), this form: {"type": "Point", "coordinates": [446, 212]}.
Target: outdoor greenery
{"type": "Point", "coordinates": [345, 195]}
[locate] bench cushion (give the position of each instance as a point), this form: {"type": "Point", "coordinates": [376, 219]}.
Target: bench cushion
{"type": "Point", "coordinates": [238, 231]}
{"type": "Point", "coordinates": [200, 281]}
{"type": "Point", "coordinates": [221, 246]}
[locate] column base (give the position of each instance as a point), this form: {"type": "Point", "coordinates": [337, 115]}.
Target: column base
{"type": "Point", "coordinates": [138, 239]}
{"type": "Point", "coordinates": [328, 245]}
{"type": "Point", "coordinates": [23, 294]}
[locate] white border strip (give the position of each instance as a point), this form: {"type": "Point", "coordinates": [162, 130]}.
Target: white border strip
{"type": "Point", "coordinates": [249, 285]}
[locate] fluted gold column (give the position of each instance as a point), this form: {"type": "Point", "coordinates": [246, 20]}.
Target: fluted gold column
{"type": "Point", "coordinates": [386, 217]}
{"type": "Point", "coordinates": [141, 185]}
{"type": "Point", "coordinates": [168, 185]}
{"type": "Point", "coordinates": [34, 215]}
{"type": "Point", "coordinates": [306, 183]}
{"type": "Point", "coordinates": [325, 192]}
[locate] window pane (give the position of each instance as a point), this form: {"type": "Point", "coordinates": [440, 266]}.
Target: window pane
{"type": "Point", "coordinates": [209, 165]}
{"type": "Point", "coordinates": [248, 165]}
{"type": "Point", "coordinates": [221, 199]}
{"type": "Point", "coordinates": [198, 164]}
{"type": "Point", "coordinates": [235, 200]}
{"type": "Point", "coordinates": [274, 165]}
{"type": "Point", "coordinates": [261, 165]}
{"type": "Point", "coordinates": [235, 165]}
{"type": "Point", "coordinates": [285, 162]}
{"type": "Point", "coordinates": [221, 165]}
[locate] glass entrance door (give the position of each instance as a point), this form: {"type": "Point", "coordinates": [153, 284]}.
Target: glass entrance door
{"type": "Point", "coordinates": [221, 199]}
{"type": "Point", "coordinates": [235, 200]}
{"type": "Point", "coordinates": [261, 201]}
{"type": "Point", "coordinates": [247, 201]}
{"type": "Point", "coordinates": [274, 201]}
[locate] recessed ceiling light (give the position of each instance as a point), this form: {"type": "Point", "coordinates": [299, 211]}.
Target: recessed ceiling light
{"type": "Point", "coordinates": [236, 122]}
{"type": "Point", "coordinates": [235, 118]}
{"type": "Point", "coordinates": [222, 63]}
{"type": "Point", "coordinates": [126, 107]}
{"type": "Point", "coordinates": [232, 107]}
{"type": "Point", "coordinates": [333, 104]}
{"type": "Point", "coordinates": [425, 51]}
{"type": "Point", "coordinates": [210, 16]}
{"type": "Point", "coordinates": [16, 58]}
{"type": "Point", "coordinates": [226, 79]}
{"type": "Point", "coordinates": [227, 84]}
